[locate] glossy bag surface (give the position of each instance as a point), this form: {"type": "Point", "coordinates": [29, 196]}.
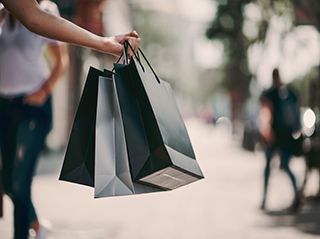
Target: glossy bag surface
{"type": "Point", "coordinates": [159, 148]}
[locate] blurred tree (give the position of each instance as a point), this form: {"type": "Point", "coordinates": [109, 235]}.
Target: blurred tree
{"type": "Point", "coordinates": [307, 12]}
{"type": "Point", "coordinates": [238, 24]}
{"type": "Point", "coordinates": [227, 26]}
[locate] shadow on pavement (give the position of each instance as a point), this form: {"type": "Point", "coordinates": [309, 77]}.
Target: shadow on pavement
{"type": "Point", "coordinates": [307, 219]}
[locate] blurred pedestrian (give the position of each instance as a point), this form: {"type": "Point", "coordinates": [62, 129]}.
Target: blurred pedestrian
{"type": "Point", "coordinates": [26, 84]}
{"type": "Point", "coordinates": [36, 20]}
{"type": "Point", "coordinates": [280, 120]}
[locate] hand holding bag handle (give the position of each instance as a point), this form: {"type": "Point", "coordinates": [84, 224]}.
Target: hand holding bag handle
{"type": "Point", "coordinates": [125, 56]}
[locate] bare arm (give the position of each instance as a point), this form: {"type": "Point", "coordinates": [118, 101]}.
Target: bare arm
{"type": "Point", "coordinates": [60, 62]}
{"type": "Point", "coordinates": [43, 23]}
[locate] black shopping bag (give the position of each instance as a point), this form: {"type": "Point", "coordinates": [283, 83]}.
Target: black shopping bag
{"type": "Point", "coordinates": [78, 165]}
{"type": "Point", "coordinates": [159, 148]}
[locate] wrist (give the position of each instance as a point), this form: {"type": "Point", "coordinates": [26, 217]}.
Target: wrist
{"type": "Point", "coordinates": [101, 43]}
{"type": "Point", "coordinates": [46, 89]}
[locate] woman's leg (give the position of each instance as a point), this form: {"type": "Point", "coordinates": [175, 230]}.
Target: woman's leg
{"type": "Point", "coordinates": [21, 143]}
{"type": "Point", "coordinates": [30, 138]}
{"type": "Point", "coordinates": [9, 123]}
{"type": "Point", "coordinates": [8, 129]}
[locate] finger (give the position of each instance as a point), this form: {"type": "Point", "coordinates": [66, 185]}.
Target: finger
{"type": "Point", "coordinates": [133, 44]}
{"type": "Point", "coordinates": [132, 34]}
{"type": "Point", "coordinates": [124, 39]}
{"type": "Point", "coordinates": [138, 43]}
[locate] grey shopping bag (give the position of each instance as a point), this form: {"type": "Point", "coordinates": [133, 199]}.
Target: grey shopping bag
{"type": "Point", "coordinates": [93, 156]}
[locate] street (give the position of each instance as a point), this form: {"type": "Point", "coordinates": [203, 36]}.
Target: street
{"type": "Point", "coordinates": [225, 205]}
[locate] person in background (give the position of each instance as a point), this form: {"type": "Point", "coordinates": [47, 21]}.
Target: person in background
{"type": "Point", "coordinates": [26, 85]}
{"type": "Point", "coordinates": [43, 23]}
{"type": "Point", "coordinates": [280, 119]}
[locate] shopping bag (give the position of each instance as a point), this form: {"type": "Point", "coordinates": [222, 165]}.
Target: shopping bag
{"type": "Point", "coordinates": [112, 173]}
{"type": "Point", "coordinates": [159, 148]}
{"type": "Point", "coordinates": [78, 164]}
{"type": "Point", "coordinates": [96, 155]}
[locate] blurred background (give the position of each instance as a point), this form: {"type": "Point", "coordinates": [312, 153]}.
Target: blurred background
{"type": "Point", "coordinates": [218, 56]}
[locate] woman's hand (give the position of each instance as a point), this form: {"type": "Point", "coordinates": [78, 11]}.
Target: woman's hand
{"type": "Point", "coordinates": [37, 98]}
{"type": "Point", "coordinates": [51, 26]}
{"type": "Point", "coordinates": [114, 45]}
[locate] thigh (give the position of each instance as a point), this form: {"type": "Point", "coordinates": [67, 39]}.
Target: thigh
{"type": "Point", "coordinates": [30, 137]}
{"type": "Point", "coordinates": [8, 130]}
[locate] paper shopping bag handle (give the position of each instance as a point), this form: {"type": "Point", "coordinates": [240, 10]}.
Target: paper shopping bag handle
{"type": "Point", "coordinates": [126, 44]}
{"type": "Point", "coordinates": [125, 56]}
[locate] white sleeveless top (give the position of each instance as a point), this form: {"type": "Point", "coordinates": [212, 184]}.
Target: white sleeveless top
{"type": "Point", "coordinates": [23, 68]}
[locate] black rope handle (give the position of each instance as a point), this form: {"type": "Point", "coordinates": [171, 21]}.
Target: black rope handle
{"type": "Point", "coordinates": [126, 45]}
{"type": "Point", "coordinates": [117, 62]}
{"type": "Point", "coordinates": [145, 58]}
{"type": "Point", "coordinates": [137, 56]}
{"type": "Point", "coordinates": [125, 57]}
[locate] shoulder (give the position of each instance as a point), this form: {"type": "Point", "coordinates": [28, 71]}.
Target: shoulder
{"type": "Point", "coordinates": [267, 93]}
{"type": "Point", "coordinates": [50, 7]}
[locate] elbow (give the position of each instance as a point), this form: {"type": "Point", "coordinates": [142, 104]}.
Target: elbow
{"type": "Point", "coordinates": [31, 23]}
{"type": "Point", "coordinates": [33, 20]}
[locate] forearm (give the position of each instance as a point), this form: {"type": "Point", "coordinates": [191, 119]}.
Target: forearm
{"type": "Point", "coordinates": [51, 26]}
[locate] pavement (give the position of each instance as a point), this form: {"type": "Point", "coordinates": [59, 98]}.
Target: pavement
{"type": "Point", "coordinates": [225, 205]}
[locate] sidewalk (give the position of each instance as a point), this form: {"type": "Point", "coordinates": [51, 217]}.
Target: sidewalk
{"type": "Point", "coordinates": [224, 205]}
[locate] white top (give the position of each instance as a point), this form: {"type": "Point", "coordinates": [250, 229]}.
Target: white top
{"type": "Point", "coordinates": [23, 68]}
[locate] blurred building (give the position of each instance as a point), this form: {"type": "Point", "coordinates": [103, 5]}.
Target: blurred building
{"type": "Point", "coordinates": [177, 46]}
